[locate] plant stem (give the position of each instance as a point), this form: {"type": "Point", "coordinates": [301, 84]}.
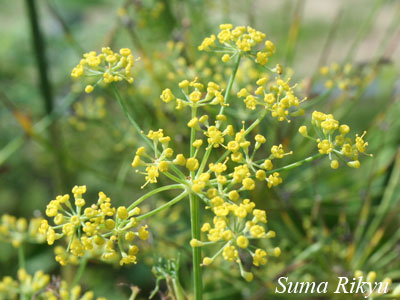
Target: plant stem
{"type": "Point", "coordinates": [195, 225]}
{"type": "Point", "coordinates": [296, 164]}
{"type": "Point", "coordinates": [204, 161]}
{"type": "Point", "coordinates": [256, 122]}
{"type": "Point", "coordinates": [137, 127]}
{"type": "Point", "coordinates": [229, 87]}
{"type": "Point", "coordinates": [21, 265]}
{"type": "Point", "coordinates": [130, 117]}
{"type": "Point", "coordinates": [388, 201]}
{"type": "Point", "coordinates": [365, 27]}
{"type": "Point", "coordinates": [81, 270]}
{"type": "Point", "coordinates": [196, 251]}
{"type": "Point", "coordinates": [164, 206]}
{"type": "Point", "coordinates": [21, 257]}
{"type": "Point", "coordinates": [174, 178]}
{"type": "Point", "coordinates": [153, 192]}
{"type": "Point", "coordinates": [193, 135]}
{"type": "Point", "coordinates": [178, 290]}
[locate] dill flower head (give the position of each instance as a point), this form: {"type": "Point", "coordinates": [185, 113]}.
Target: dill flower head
{"type": "Point", "coordinates": [99, 229]}
{"type": "Point", "coordinates": [276, 96]}
{"type": "Point", "coordinates": [333, 140]}
{"type": "Point", "coordinates": [38, 286]}
{"type": "Point", "coordinates": [25, 284]}
{"type": "Point", "coordinates": [18, 230]}
{"type": "Point", "coordinates": [344, 77]}
{"type": "Point", "coordinates": [240, 40]}
{"type": "Point", "coordinates": [222, 183]}
{"type": "Point", "coordinates": [233, 229]}
{"type": "Point", "coordinates": [106, 67]}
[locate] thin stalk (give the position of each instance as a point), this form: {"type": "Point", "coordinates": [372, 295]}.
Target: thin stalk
{"type": "Point", "coordinates": [130, 117]}
{"type": "Point", "coordinates": [196, 251]}
{"type": "Point", "coordinates": [21, 264]}
{"type": "Point", "coordinates": [329, 40]}
{"type": "Point", "coordinates": [178, 290]}
{"type": "Point", "coordinates": [153, 192]}
{"type": "Point", "coordinates": [164, 206]}
{"type": "Point", "coordinates": [296, 164]}
{"type": "Point", "coordinates": [294, 32]}
{"type": "Point", "coordinates": [79, 273]}
{"type": "Point", "coordinates": [368, 241]}
{"type": "Point", "coordinates": [174, 178]}
{"type": "Point", "coordinates": [195, 225]}
{"type": "Point", "coordinates": [229, 87]}
{"type": "Point", "coordinates": [364, 29]}
{"type": "Point", "coordinates": [67, 32]}
{"type": "Point", "coordinates": [193, 134]}
{"type": "Point", "coordinates": [256, 122]}
{"type": "Point", "coordinates": [137, 127]}
{"type": "Point", "coordinates": [21, 257]}
{"type": "Point", "coordinates": [204, 161]}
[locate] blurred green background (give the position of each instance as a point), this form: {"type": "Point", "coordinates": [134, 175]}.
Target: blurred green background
{"type": "Point", "coordinates": [327, 221]}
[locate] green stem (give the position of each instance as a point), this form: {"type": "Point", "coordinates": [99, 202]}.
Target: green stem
{"type": "Point", "coordinates": [153, 192]}
{"type": "Point", "coordinates": [137, 127]}
{"type": "Point", "coordinates": [21, 257]}
{"type": "Point", "coordinates": [193, 133]}
{"type": "Point", "coordinates": [365, 27]}
{"type": "Point", "coordinates": [79, 273]}
{"type": "Point", "coordinates": [174, 178]}
{"type": "Point", "coordinates": [130, 117]}
{"type": "Point", "coordinates": [296, 164]}
{"type": "Point", "coordinates": [204, 161]}
{"type": "Point", "coordinates": [388, 201]}
{"type": "Point", "coordinates": [229, 87]}
{"type": "Point", "coordinates": [178, 290]}
{"type": "Point", "coordinates": [196, 251]}
{"type": "Point", "coordinates": [195, 226]}
{"type": "Point", "coordinates": [21, 265]}
{"type": "Point", "coordinates": [256, 122]}
{"type": "Point", "coordinates": [164, 206]}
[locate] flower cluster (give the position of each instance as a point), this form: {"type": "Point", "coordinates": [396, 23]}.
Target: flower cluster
{"type": "Point", "coordinates": [333, 140]}
{"type": "Point", "coordinates": [18, 231]}
{"type": "Point", "coordinates": [195, 94]}
{"type": "Point", "coordinates": [98, 228]}
{"type": "Point", "coordinates": [345, 77]}
{"type": "Point", "coordinates": [277, 96]}
{"type": "Point", "coordinates": [221, 184]}
{"type": "Point", "coordinates": [235, 225]}
{"type": "Point", "coordinates": [240, 39]}
{"type": "Point", "coordinates": [25, 284]}
{"type": "Point", "coordinates": [106, 67]}
{"type": "Point", "coordinates": [88, 109]}
{"type": "Point", "coordinates": [218, 184]}
{"type": "Point", "coordinates": [158, 163]}
{"type": "Point", "coordinates": [242, 175]}
{"type": "Point", "coordinates": [40, 287]}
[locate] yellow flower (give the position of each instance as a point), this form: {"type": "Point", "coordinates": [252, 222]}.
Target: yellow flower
{"type": "Point", "coordinates": [259, 257]}
{"type": "Point", "coordinates": [106, 67]}
{"type": "Point", "coordinates": [242, 241]}
{"type": "Point", "coordinates": [230, 253]}
{"type": "Point", "coordinates": [325, 147]}
{"type": "Point", "coordinates": [167, 96]}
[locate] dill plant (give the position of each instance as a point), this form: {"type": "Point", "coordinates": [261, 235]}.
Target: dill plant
{"type": "Point", "coordinates": [225, 159]}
